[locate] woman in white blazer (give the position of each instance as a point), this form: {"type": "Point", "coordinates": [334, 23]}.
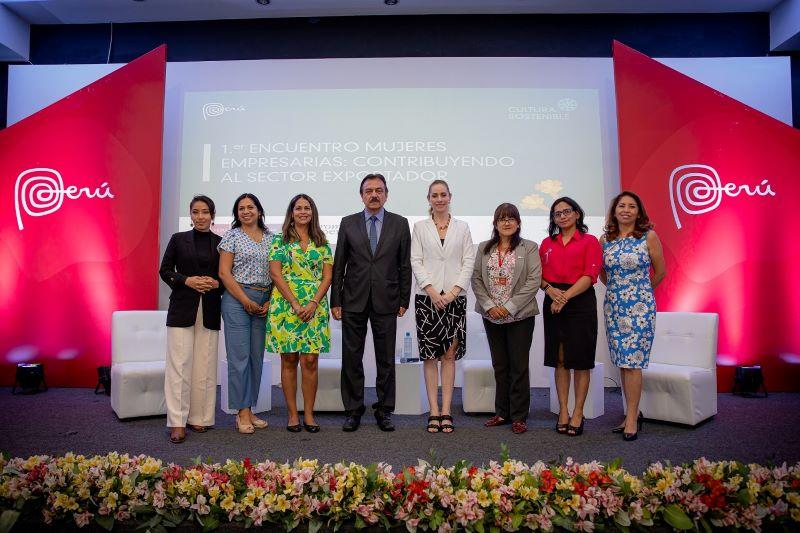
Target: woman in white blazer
{"type": "Point", "coordinates": [442, 257]}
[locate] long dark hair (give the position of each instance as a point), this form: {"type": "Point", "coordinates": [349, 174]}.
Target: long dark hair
{"type": "Point", "coordinates": [238, 223]}
{"type": "Point", "coordinates": [553, 230]}
{"type": "Point", "coordinates": [505, 210]}
{"type": "Point", "coordinates": [314, 230]}
{"type": "Point", "coordinates": [640, 227]}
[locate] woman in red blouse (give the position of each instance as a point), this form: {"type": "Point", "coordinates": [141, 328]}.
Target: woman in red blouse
{"type": "Point", "coordinates": [571, 262]}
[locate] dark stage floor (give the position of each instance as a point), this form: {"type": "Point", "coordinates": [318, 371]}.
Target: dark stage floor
{"type": "Point", "coordinates": [62, 420]}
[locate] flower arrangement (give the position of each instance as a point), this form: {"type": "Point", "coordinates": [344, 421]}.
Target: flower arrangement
{"type": "Point", "coordinates": [504, 495]}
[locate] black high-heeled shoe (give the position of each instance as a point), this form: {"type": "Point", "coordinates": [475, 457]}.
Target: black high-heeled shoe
{"type": "Point", "coordinates": [562, 428]}
{"type": "Point", "coordinates": [621, 429]}
{"type": "Point", "coordinates": [576, 431]}
{"type": "Point", "coordinates": [628, 437]}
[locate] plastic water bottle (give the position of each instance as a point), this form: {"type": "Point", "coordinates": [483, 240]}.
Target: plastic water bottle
{"type": "Point", "coordinates": [407, 357]}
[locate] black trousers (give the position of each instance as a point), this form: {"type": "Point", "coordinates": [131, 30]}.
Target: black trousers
{"type": "Point", "coordinates": [510, 346]}
{"type": "Point", "coordinates": [354, 334]}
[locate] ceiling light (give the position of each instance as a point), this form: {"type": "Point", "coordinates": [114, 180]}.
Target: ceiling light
{"type": "Point", "coordinates": [263, 2]}
{"type": "Point", "coordinates": [390, 2]}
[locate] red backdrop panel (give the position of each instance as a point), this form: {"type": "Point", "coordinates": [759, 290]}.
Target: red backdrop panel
{"type": "Point", "coordinates": [722, 182]}
{"type": "Point", "coordinates": [81, 188]}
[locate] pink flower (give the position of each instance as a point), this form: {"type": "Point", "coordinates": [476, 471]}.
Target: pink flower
{"type": "Point", "coordinates": [83, 519]}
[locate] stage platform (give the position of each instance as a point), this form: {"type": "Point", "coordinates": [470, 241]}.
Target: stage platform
{"type": "Point", "coordinates": [70, 419]}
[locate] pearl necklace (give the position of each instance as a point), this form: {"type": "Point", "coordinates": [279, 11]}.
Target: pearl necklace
{"type": "Point", "coordinates": [445, 226]}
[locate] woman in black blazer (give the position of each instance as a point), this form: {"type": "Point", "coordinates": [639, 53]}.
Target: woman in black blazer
{"type": "Point", "coordinates": [190, 267]}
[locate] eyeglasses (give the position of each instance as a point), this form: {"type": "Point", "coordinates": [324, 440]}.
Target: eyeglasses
{"type": "Point", "coordinates": [505, 220]}
{"type": "Point", "coordinates": [565, 213]}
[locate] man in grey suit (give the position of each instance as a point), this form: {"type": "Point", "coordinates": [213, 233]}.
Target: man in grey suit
{"type": "Point", "coordinates": [371, 281]}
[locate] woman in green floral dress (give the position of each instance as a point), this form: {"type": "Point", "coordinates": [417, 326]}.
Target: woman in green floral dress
{"type": "Point", "coordinates": [301, 267]}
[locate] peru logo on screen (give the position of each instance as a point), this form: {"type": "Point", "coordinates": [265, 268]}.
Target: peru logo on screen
{"type": "Point", "coordinates": [215, 109]}
{"type": "Point", "coordinates": [696, 189]}
{"type": "Point", "coordinates": [40, 191]}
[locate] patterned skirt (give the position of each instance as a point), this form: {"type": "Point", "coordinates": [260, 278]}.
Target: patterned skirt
{"type": "Point", "coordinates": [437, 330]}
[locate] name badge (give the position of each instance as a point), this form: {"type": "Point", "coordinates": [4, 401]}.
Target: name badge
{"type": "Point", "coordinates": [501, 280]}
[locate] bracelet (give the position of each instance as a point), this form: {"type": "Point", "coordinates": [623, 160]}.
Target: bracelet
{"type": "Point", "coordinates": [313, 300]}
{"type": "Point", "coordinates": [547, 287]}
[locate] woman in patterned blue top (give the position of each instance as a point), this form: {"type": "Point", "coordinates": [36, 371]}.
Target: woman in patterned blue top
{"type": "Point", "coordinates": [244, 270]}
{"type": "Point", "coordinates": [630, 248]}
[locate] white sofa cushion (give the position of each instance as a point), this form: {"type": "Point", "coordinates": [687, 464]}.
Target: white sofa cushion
{"type": "Point", "coordinates": [138, 389]}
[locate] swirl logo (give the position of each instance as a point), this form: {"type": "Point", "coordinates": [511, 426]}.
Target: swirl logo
{"type": "Point", "coordinates": [215, 109]}
{"type": "Point", "coordinates": [212, 110]}
{"type": "Point", "coordinates": [696, 189]}
{"type": "Point", "coordinates": [40, 191]}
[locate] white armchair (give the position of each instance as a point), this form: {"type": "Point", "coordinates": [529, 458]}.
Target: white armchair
{"type": "Point", "coordinates": [138, 353]}
{"type": "Point", "coordinates": [680, 384]}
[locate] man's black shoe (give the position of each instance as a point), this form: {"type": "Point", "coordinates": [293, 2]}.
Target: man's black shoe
{"type": "Point", "coordinates": [384, 422]}
{"type": "Point", "coordinates": [351, 423]}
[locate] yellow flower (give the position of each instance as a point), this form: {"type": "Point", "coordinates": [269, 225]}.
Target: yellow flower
{"type": "Point", "coordinates": [213, 492]}
{"type": "Point", "coordinates": [533, 201]}
{"type": "Point", "coordinates": [150, 466]}
{"type": "Point", "coordinates": [795, 515]}
{"type": "Point", "coordinates": [282, 504]}
{"type": "Point", "coordinates": [551, 187]}
{"type": "Point", "coordinates": [793, 498]}
{"type": "Point", "coordinates": [227, 503]}
{"type": "Point", "coordinates": [111, 500]}
{"type": "Point", "coordinates": [476, 483]}
{"type": "Point", "coordinates": [575, 502]}
{"type": "Point", "coordinates": [483, 498]}
{"type": "Point", "coordinates": [65, 502]}
{"type": "Point", "coordinates": [248, 500]}
{"type": "Point", "coordinates": [753, 488]}
{"type": "Point", "coordinates": [662, 485]}
{"type": "Point", "coordinates": [775, 489]}
{"type": "Point", "coordinates": [564, 484]}
{"type": "Point", "coordinates": [461, 496]}
{"type": "Point", "coordinates": [496, 497]}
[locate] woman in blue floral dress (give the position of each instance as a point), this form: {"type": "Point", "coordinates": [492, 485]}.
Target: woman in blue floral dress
{"type": "Point", "coordinates": [630, 249]}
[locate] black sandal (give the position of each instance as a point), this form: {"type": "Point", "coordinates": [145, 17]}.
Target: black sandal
{"type": "Point", "coordinates": [576, 431]}
{"type": "Point", "coordinates": [435, 427]}
{"type": "Point", "coordinates": [449, 427]}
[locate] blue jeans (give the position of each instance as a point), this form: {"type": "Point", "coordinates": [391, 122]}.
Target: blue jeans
{"type": "Point", "coordinates": [245, 335]}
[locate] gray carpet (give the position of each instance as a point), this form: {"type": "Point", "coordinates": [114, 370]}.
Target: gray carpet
{"type": "Point", "coordinates": [61, 420]}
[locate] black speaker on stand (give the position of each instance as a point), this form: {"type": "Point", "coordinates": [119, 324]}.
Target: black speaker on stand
{"type": "Point", "coordinates": [103, 380]}
{"type": "Point", "coordinates": [29, 379]}
{"type": "Point", "coordinates": [748, 381]}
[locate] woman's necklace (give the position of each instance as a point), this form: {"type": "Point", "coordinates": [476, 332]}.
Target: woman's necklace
{"type": "Point", "coordinates": [442, 227]}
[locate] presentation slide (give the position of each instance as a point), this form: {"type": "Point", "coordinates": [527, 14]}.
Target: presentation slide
{"type": "Point", "coordinates": [525, 146]}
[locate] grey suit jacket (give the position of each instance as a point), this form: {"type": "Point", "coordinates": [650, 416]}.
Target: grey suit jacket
{"type": "Point", "coordinates": [525, 282]}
